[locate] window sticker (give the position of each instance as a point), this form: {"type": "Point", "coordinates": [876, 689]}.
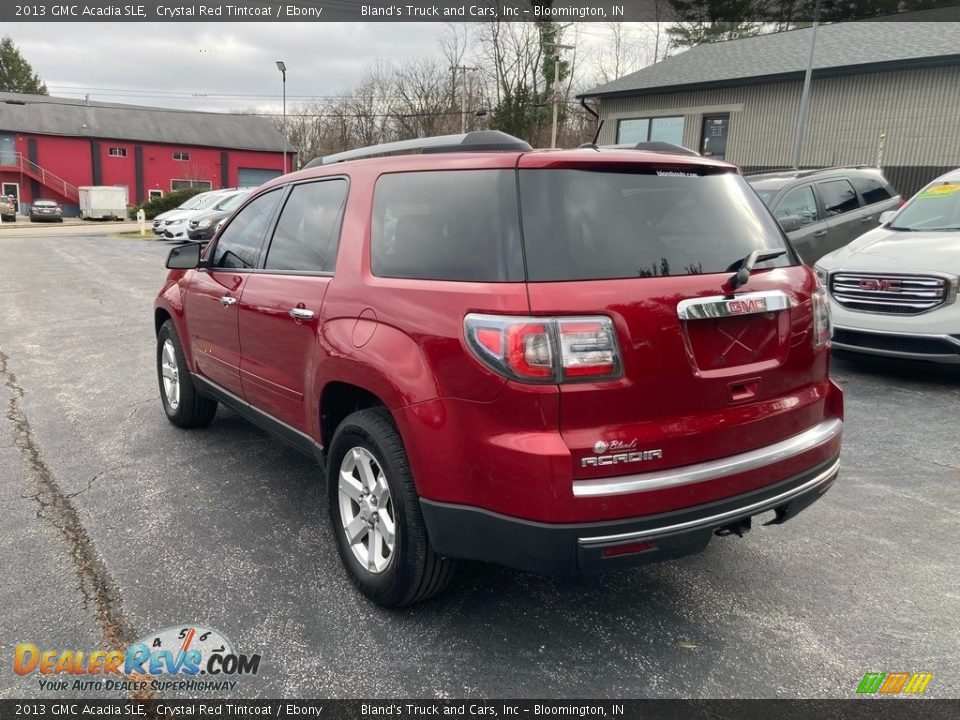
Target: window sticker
{"type": "Point", "coordinates": [939, 191]}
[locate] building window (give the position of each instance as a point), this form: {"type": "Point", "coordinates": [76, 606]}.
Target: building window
{"type": "Point", "coordinates": [181, 156]}
{"type": "Point", "coordinates": [187, 184]}
{"type": "Point", "coordinates": [152, 194]}
{"type": "Point", "coordinates": [657, 129]}
{"type": "Point", "coordinates": [118, 152]}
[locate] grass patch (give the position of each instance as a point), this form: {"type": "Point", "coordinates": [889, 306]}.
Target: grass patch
{"type": "Point", "coordinates": [135, 235]}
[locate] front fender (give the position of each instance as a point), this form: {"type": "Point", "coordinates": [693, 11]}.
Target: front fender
{"type": "Point", "coordinates": [169, 302]}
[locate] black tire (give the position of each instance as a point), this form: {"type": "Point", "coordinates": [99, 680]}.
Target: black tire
{"type": "Point", "coordinates": [414, 571]}
{"type": "Point", "coordinates": [193, 409]}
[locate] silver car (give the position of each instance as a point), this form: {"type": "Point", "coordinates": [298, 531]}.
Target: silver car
{"type": "Point", "coordinates": [822, 210]}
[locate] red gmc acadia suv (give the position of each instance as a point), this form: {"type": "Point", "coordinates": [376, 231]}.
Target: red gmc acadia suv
{"type": "Point", "coordinates": [561, 360]}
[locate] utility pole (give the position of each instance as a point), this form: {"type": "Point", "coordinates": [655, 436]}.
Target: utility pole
{"type": "Point", "coordinates": [463, 92]}
{"type": "Point", "coordinates": [282, 67]}
{"type": "Point", "coordinates": [556, 82]}
{"type": "Point", "coordinates": [805, 97]}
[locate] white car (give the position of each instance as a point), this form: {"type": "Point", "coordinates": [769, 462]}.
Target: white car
{"type": "Point", "coordinates": [175, 225]}
{"type": "Point", "coordinates": [893, 290]}
{"type": "Point", "coordinates": [204, 199]}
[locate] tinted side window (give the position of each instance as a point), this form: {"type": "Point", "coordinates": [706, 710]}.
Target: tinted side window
{"type": "Point", "coordinates": [447, 225]}
{"type": "Point", "coordinates": [838, 197]}
{"type": "Point", "coordinates": [239, 243]}
{"type": "Point", "coordinates": [872, 191]}
{"type": "Point", "coordinates": [308, 230]}
{"type": "Point", "coordinates": [798, 203]}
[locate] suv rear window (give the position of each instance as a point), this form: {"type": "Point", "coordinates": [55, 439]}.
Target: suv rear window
{"type": "Point", "coordinates": [589, 225]}
{"type": "Point", "coordinates": [447, 225]}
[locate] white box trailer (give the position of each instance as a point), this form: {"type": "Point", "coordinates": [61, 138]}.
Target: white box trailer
{"type": "Point", "coordinates": [103, 202]}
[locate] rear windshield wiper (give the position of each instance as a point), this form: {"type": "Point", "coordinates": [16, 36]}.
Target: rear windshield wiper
{"type": "Point", "coordinates": [747, 263]}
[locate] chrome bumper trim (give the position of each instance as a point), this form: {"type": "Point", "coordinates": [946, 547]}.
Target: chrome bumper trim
{"type": "Point", "coordinates": [721, 519]}
{"type": "Point", "coordinates": [712, 469]}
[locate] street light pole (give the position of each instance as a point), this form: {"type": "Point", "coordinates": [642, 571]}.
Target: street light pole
{"type": "Point", "coordinates": [556, 82]}
{"type": "Point", "coordinates": [805, 96]}
{"type": "Point", "coordinates": [282, 67]}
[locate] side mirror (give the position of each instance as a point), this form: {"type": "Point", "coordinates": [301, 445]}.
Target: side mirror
{"type": "Point", "coordinates": [789, 223]}
{"type": "Point", "coordinates": [887, 216]}
{"type": "Point", "coordinates": [184, 257]}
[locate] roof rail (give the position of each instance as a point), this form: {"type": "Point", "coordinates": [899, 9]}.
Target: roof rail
{"type": "Point", "coordinates": [652, 146]}
{"type": "Point", "coordinates": [807, 172]}
{"type": "Point", "coordinates": [478, 141]}
{"type": "Point", "coordinates": [665, 147]}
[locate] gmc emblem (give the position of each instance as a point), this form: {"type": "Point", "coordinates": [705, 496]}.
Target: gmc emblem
{"type": "Point", "coordinates": [880, 285]}
{"type": "Point", "coordinates": [744, 307]}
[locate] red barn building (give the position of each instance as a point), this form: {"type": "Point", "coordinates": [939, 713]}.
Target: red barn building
{"type": "Point", "coordinates": [50, 146]}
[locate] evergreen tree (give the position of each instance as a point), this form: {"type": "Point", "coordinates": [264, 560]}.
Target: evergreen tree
{"type": "Point", "coordinates": [705, 21]}
{"type": "Point", "coordinates": [16, 75]}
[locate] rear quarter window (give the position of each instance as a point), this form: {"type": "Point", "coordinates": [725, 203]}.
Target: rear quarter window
{"type": "Point", "coordinates": [838, 197]}
{"type": "Point", "coordinates": [447, 225]}
{"type": "Point", "coordinates": [871, 190]}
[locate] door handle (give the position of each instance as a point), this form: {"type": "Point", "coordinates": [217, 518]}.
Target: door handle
{"type": "Point", "coordinates": [227, 301]}
{"type": "Point", "coordinates": [820, 233]}
{"type": "Point", "coordinates": [299, 313]}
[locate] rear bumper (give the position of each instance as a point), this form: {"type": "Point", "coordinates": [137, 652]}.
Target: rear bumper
{"type": "Point", "coordinates": [470, 533]}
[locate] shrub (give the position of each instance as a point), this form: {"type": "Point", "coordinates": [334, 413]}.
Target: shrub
{"type": "Point", "coordinates": [169, 201]}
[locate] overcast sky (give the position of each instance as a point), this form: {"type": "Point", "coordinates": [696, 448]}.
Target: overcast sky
{"type": "Point", "coordinates": [146, 63]}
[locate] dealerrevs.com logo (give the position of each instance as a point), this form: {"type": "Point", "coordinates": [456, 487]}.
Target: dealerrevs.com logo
{"type": "Point", "coordinates": [186, 657]}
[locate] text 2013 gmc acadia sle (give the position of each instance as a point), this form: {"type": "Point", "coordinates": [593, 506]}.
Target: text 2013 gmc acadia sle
{"type": "Point", "coordinates": [561, 361]}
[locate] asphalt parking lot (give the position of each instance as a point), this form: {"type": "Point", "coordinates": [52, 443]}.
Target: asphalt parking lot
{"type": "Point", "coordinates": [117, 524]}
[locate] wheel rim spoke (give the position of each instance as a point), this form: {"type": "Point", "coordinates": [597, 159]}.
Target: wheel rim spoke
{"type": "Point", "coordinates": [386, 529]}
{"type": "Point", "coordinates": [373, 548]}
{"type": "Point", "coordinates": [365, 467]}
{"type": "Point", "coordinates": [381, 491]}
{"type": "Point", "coordinates": [350, 487]}
{"type": "Point", "coordinates": [356, 530]}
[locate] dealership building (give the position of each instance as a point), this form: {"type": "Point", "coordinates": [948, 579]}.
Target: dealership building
{"type": "Point", "coordinates": [50, 146]}
{"type": "Point", "coordinates": [884, 93]}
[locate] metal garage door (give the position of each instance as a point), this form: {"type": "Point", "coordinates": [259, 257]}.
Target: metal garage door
{"type": "Point", "coordinates": [252, 177]}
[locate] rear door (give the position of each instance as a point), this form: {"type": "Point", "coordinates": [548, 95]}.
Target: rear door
{"type": "Point", "coordinates": [212, 296]}
{"type": "Point", "coordinates": [841, 207]}
{"type": "Point", "coordinates": [280, 307]}
{"type": "Point", "coordinates": [641, 245]}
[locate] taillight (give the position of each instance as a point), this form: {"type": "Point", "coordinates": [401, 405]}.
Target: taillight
{"type": "Point", "coordinates": [546, 350]}
{"type": "Point", "coordinates": [822, 328]}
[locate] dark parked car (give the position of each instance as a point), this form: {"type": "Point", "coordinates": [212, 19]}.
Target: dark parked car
{"type": "Point", "coordinates": [822, 210]}
{"type": "Point", "coordinates": [46, 211]}
{"type": "Point", "coordinates": [562, 361]}
{"type": "Point", "coordinates": [203, 226]}
{"type": "Point", "coordinates": [8, 209]}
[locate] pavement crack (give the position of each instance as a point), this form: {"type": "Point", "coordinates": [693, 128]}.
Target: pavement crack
{"type": "Point", "coordinates": [97, 586]}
